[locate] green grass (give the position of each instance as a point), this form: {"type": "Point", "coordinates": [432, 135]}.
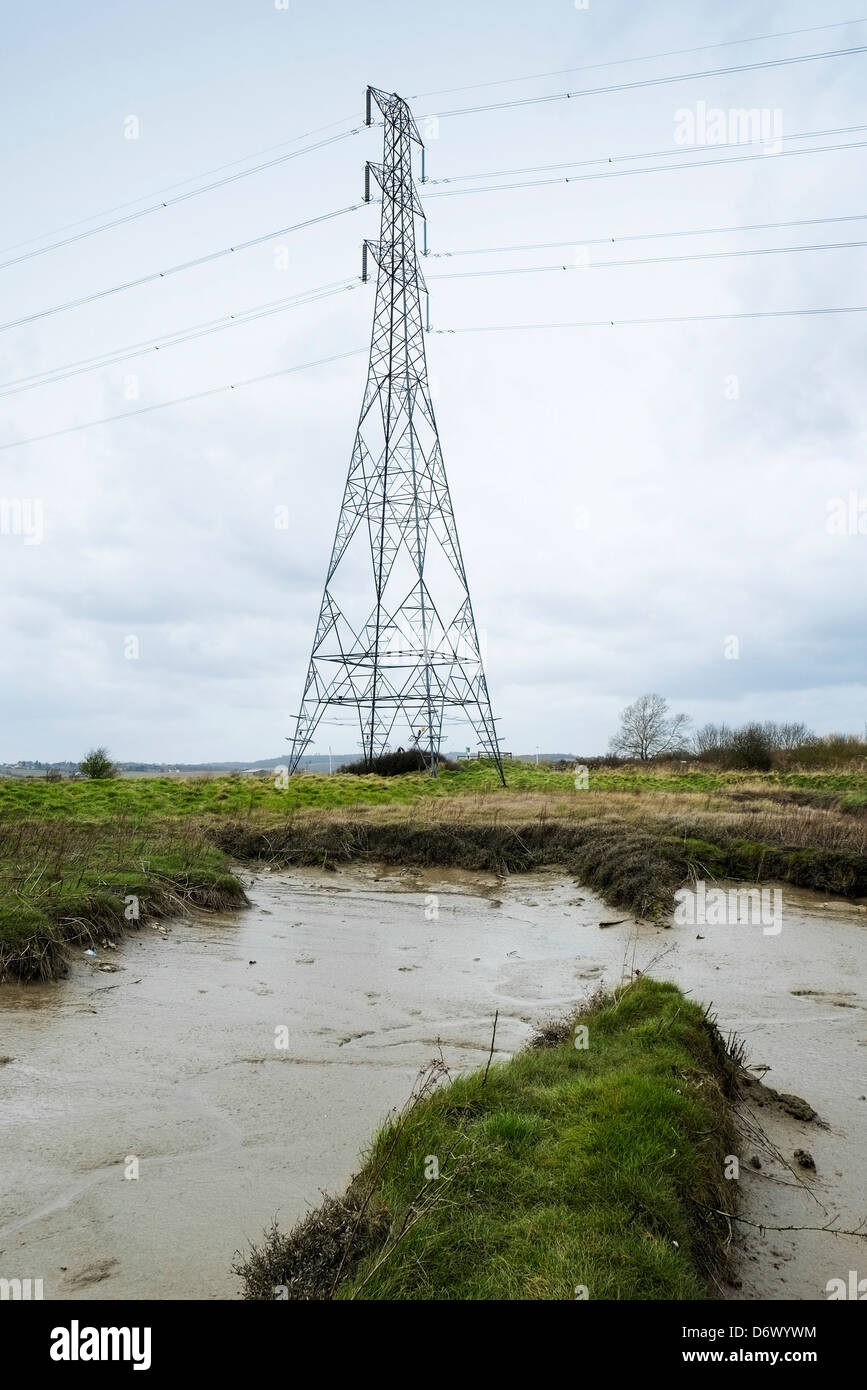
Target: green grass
{"type": "Point", "coordinates": [146, 797]}
{"type": "Point", "coordinates": [599, 1167]}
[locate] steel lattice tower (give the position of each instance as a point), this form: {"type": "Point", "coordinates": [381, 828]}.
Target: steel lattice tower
{"type": "Point", "coordinates": [396, 640]}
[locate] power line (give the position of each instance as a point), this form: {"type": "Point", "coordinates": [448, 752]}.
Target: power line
{"type": "Point", "coordinates": [642, 58]}
{"type": "Point", "coordinates": [183, 400]}
{"type": "Point", "coordinates": [650, 260]}
{"type": "Point", "coordinates": [449, 192]}
{"type": "Point", "coordinates": [643, 154]}
{"type": "Point", "coordinates": [651, 169]}
{"type": "Point", "coordinates": [313, 296]}
{"type": "Point", "coordinates": [443, 91]}
{"type": "Point", "coordinates": [316, 293]}
{"type": "Point", "coordinates": [648, 82]}
{"type": "Point", "coordinates": [449, 332]}
{"type": "Point", "coordinates": [179, 183]}
{"type": "Point", "coordinates": [623, 323]}
{"type": "Point", "coordinates": [182, 335]}
{"type": "Point", "coordinates": [179, 198]}
{"type": "Point", "coordinates": [645, 236]}
{"type": "Point", "coordinates": [176, 269]}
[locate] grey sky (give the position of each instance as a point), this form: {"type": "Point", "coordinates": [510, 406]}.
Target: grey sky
{"type": "Point", "coordinates": [623, 506]}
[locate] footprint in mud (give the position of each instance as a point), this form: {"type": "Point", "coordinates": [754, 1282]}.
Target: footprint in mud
{"type": "Point", "coordinates": [589, 973]}
{"type": "Point", "coordinates": [841, 999]}
{"type": "Point", "coordinates": [93, 1273]}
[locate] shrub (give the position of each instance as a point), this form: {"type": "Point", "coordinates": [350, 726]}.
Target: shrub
{"type": "Point", "coordinates": [97, 765]}
{"type": "Point", "coordinates": [394, 764]}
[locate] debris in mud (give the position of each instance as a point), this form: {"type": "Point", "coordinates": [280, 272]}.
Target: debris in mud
{"type": "Point", "coordinates": [615, 922]}
{"type": "Point", "coordinates": [793, 1105]}
{"type": "Point", "coordinates": [755, 1161]}
{"type": "Point", "coordinates": [805, 1159]}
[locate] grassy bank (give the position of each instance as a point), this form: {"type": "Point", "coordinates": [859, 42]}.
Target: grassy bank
{"type": "Point", "coordinates": [71, 853]}
{"type": "Point", "coordinates": [77, 883]}
{"type": "Point", "coordinates": [600, 1166]}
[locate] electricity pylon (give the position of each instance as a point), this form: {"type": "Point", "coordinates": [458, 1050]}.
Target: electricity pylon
{"type": "Point", "coordinates": [396, 642]}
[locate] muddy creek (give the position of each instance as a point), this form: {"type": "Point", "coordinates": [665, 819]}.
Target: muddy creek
{"type": "Point", "coordinates": [171, 1059]}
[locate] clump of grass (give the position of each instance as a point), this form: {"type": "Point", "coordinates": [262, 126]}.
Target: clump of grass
{"type": "Point", "coordinates": [307, 1262]}
{"type": "Point", "coordinates": [564, 1167]}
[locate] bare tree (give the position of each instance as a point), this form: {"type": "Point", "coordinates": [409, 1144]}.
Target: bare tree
{"type": "Point", "coordinates": [710, 738]}
{"type": "Point", "coordinates": [792, 735]}
{"type": "Point", "coordinates": [647, 729]}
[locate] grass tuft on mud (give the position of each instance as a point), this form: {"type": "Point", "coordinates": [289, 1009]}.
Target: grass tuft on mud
{"type": "Point", "coordinates": [598, 1168]}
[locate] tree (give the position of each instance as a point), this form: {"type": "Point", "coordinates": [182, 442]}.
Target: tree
{"type": "Point", "coordinates": [750, 747]}
{"type": "Point", "coordinates": [711, 738]}
{"type": "Point", "coordinates": [648, 730]}
{"type": "Point", "coordinates": [789, 736]}
{"type": "Point", "coordinates": [97, 764]}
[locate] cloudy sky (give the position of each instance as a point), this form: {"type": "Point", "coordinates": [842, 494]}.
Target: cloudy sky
{"type": "Point", "coordinates": [630, 498]}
